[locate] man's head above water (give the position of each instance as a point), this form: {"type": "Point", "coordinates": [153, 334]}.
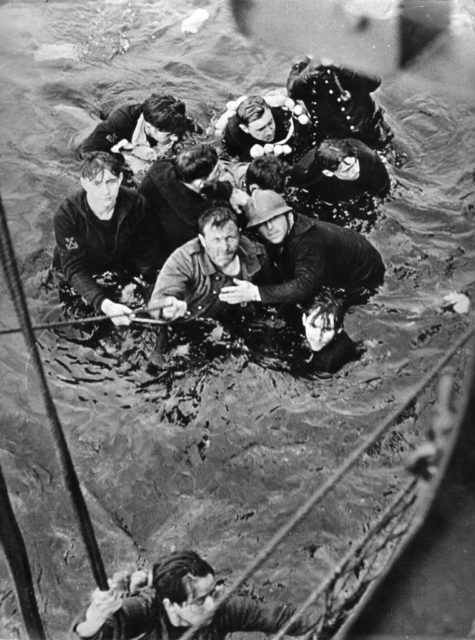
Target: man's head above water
{"type": "Point", "coordinates": [185, 585]}
{"type": "Point", "coordinates": [255, 118]}
{"type": "Point", "coordinates": [219, 234]}
{"type": "Point", "coordinates": [198, 165]}
{"type": "Point", "coordinates": [269, 215]}
{"type": "Point", "coordinates": [101, 177]}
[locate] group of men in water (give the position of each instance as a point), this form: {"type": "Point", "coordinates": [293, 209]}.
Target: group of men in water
{"type": "Point", "coordinates": [212, 227]}
{"type": "Point", "coordinates": [215, 221]}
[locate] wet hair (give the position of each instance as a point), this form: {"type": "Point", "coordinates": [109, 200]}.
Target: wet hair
{"type": "Point", "coordinates": [268, 172]}
{"type": "Point", "coordinates": [330, 153]}
{"type": "Point", "coordinates": [218, 215]}
{"type": "Point", "coordinates": [251, 108]}
{"type": "Point", "coordinates": [169, 574]}
{"type": "Point", "coordinates": [98, 161]}
{"type": "Point", "coordinates": [196, 162]}
{"type": "Point", "coordinates": [326, 303]}
{"type": "Point", "coordinates": [166, 113]}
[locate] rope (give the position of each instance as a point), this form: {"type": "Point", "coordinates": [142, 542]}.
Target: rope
{"type": "Point", "coordinates": [9, 265]}
{"type": "Point", "coordinates": [333, 576]}
{"type": "Point", "coordinates": [79, 321]}
{"type": "Point", "coordinates": [322, 491]}
{"type": "Point", "coordinates": [17, 558]}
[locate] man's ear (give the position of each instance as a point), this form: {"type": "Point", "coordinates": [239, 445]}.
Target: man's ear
{"type": "Point", "coordinates": [120, 177]}
{"type": "Point", "coordinates": [304, 318]}
{"type": "Point", "coordinates": [327, 173]}
{"type": "Point", "coordinates": [83, 183]}
{"type": "Point", "coordinates": [243, 127]}
{"type": "Point", "coordinates": [290, 219]}
{"type": "Point", "coordinates": [202, 240]}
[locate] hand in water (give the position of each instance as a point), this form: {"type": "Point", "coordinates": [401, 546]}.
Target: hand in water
{"type": "Point", "coordinates": [120, 314]}
{"type": "Point", "coordinates": [241, 291]}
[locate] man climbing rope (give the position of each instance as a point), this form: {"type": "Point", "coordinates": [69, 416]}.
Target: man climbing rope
{"type": "Point", "coordinates": [181, 593]}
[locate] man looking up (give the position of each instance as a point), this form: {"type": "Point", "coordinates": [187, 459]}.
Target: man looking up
{"type": "Point", "coordinates": [181, 594]}
{"type": "Point", "coordinates": [104, 227]}
{"type": "Point", "coordinates": [191, 280]}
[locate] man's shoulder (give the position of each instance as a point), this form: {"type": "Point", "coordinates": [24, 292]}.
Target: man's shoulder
{"type": "Point", "coordinates": [130, 112]}
{"type": "Point", "coordinates": [72, 205]}
{"type": "Point", "coordinates": [161, 173]}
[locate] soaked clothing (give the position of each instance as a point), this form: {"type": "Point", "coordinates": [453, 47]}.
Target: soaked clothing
{"type": "Point", "coordinates": [86, 245]}
{"type": "Point", "coordinates": [237, 142]}
{"type": "Point", "coordinates": [317, 254]}
{"type": "Point", "coordinates": [189, 275]}
{"type": "Point", "coordinates": [340, 104]}
{"type": "Point", "coordinates": [142, 614]}
{"type": "Point", "coordinates": [176, 207]}
{"type": "Point", "coordinates": [118, 126]}
{"type": "Point", "coordinates": [373, 178]}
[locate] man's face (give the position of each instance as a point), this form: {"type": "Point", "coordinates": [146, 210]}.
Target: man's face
{"type": "Point", "coordinates": [102, 190]}
{"type": "Point", "coordinates": [220, 243]}
{"type": "Point", "coordinates": [274, 230]}
{"type": "Point", "coordinates": [348, 169]}
{"type": "Point", "coordinates": [161, 137]}
{"type": "Point", "coordinates": [199, 603]}
{"type": "Point", "coordinates": [262, 129]}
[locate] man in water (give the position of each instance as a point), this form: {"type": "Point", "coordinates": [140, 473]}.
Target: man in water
{"type": "Point", "coordinates": [256, 128]}
{"type": "Point", "coordinates": [104, 227]}
{"type": "Point", "coordinates": [179, 191]}
{"type": "Point", "coordinates": [146, 130]}
{"type": "Point", "coordinates": [191, 280]}
{"type": "Point", "coordinates": [307, 255]}
{"type": "Point", "coordinates": [181, 594]}
{"type": "Point", "coordinates": [341, 170]}
{"type": "Point", "coordinates": [339, 102]}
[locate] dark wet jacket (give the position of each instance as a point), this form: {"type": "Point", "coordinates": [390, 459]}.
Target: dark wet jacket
{"type": "Point", "coordinates": [142, 614]}
{"type": "Point", "coordinates": [175, 207]}
{"type": "Point", "coordinates": [333, 117]}
{"type": "Point", "coordinates": [85, 246]}
{"type": "Point", "coordinates": [373, 178]}
{"type": "Point", "coordinates": [120, 124]}
{"type": "Point", "coordinates": [237, 142]}
{"type": "Point", "coordinates": [189, 275]}
{"type": "Point", "coordinates": [317, 254]}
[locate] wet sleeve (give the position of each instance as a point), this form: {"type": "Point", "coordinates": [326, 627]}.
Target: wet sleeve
{"type": "Point", "coordinates": [72, 254]}
{"type": "Point", "coordinates": [108, 132]}
{"type": "Point", "coordinates": [230, 144]}
{"type": "Point", "coordinates": [135, 618]}
{"type": "Point", "coordinates": [175, 278]}
{"type": "Point", "coordinates": [353, 80]}
{"type": "Point", "coordinates": [302, 284]}
{"type": "Point", "coordinates": [380, 177]}
{"type": "Point", "coordinates": [239, 614]}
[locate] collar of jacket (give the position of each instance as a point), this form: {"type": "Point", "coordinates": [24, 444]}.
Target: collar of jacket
{"type": "Point", "coordinates": [248, 253]}
{"type": "Point", "coordinates": [122, 208]}
{"type": "Point", "coordinates": [301, 224]}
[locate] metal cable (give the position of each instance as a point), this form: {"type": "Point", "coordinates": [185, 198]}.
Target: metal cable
{"type": "Point", "coordinates": [12, 276]}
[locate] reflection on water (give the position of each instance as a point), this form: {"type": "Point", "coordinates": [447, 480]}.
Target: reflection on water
{"type": "Point", "coordinates": [182, 456]}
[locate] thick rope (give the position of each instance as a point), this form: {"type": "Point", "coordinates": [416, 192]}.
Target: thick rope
{"type": "Point", "coordinates": [327, 486]}
{"type": "Point", "coordinates": [12, 276]}
{"type": "Point", "coordinates": [17, 559]}
{"type": "Point", "coordinates": [332, 576]}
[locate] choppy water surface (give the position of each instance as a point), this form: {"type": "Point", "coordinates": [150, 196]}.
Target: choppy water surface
{"type": "Point", "coordinates": [219, 450]}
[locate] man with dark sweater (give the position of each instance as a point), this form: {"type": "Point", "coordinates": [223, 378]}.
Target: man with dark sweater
{"type": "Point", "coordinates": [104, 227]}
{"type": "Point", "coordinates": [339, 170]}
{"type": "Point", "coordinates": [153, 125]}
{"type": "Point", "coordinates": [180, 592]}
{"type": "Point", "coordinates": [179, 191]}
{"type": "Point", "coordinates": [307, 255]}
